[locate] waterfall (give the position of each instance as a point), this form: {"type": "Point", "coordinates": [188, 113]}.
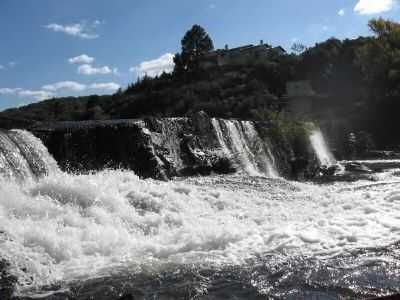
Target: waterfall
{"type": "Point", "coordinates": [12, 162]}
{"type": "Point", "coordinates": [324, 155]}
{"type": "Point", "coordinates": [240, 141]}
{"type": "Point", "coordinates": [263, 152]}
{"type": "Point", "coordinates": [23, 156]}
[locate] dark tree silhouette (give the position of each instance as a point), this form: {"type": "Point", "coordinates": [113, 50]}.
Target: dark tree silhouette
{"type": "Point", "coordinates": [195, 44]}
{"type": "Point", "coordinates": [298, 48]}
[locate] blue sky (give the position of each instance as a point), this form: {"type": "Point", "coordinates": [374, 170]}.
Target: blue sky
{"type": "Point", "coordinates": [80, 47]}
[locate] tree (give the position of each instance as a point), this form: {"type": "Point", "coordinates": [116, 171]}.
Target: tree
{"type": "Point", "coordinates": [195, 44]}
{"type": "Point", "coordinates": [179, 65]}
{"type": "Point", "coordinates": [298, 48]}
{"type": "Point", "coordinates": [382, 27]}
{"type": "Point", "coordinates": [379, 58]}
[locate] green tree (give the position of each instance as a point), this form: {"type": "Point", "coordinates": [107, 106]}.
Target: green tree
{"type": "Point", "coordinates": [379, 59]}
{"type": "Point", "coordinates": [385, 28]}
{"type": "Point", "coordinates": [195, 44]}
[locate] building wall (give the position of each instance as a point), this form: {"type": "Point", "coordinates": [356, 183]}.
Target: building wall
{"type": "Point", "coordinates": [246, 55]}
{"type": "Point", "coordinates": [255, 55]}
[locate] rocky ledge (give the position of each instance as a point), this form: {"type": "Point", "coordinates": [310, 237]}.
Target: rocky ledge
{"type": "Point", "coordinates": [163, 148]}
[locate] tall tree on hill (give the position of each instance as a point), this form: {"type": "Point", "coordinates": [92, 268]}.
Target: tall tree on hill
{"type": "Point", "coordinates": [195, 44]}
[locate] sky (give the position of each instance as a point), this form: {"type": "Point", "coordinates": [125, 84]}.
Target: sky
{"type": "Point", "coordinates": [53, 48]}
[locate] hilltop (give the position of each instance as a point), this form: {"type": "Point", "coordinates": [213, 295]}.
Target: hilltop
{"type": "Point", "coordinates": [355, 88]}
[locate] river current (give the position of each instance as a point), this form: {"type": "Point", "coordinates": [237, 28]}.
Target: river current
{"type": "Point", "coordinates": [110, 233]}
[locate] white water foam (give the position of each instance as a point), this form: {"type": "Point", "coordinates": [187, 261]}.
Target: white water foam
{"type": "Point", "coordinates": [69, 227]}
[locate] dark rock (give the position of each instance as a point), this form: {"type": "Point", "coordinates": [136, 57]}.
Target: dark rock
{"type": "Point", "coordinates": [157, 148]}
{"type": "Point", "coordinates": [223, 166]}
{"type": "Point", "coordinates": [127, 297]}
{"type": "Point", "coordinates": [7, 282]}
{"type": "Point", "coordinates": [298, 166]}
{"type": "Point", "coordinates": [357, 167]}
{"type": "Point", "coordinates": [201, 123]}
{"type": "Point", "coordinates": [86, 146]}
{"type": "Point", "coordinates": [382, 165]}
{"type": "Point", "coordinates": [381, 154]}
{"type": "Point", "coordinates": [163, 148]}
{"type": "Point", "coordinates": [329, 170]}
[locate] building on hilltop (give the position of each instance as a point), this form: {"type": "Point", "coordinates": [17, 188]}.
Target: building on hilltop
{"type": "Point", "coordinates": [244, 55]}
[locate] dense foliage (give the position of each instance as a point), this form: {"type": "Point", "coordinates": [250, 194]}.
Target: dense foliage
{"type": "Point", "coordinates": [195, 44]}
{"type": "Point", "coordinates": [359, 80]}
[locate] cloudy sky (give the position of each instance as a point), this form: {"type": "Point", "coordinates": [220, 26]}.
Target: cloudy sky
{"type": "Point", "coordinates": [74, 47]}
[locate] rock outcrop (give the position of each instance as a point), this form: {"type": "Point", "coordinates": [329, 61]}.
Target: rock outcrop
{"type": "Point", "coordinates": [167, 147]}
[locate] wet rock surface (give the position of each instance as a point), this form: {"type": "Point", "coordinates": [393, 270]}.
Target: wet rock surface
{"type": "Point", "coordinates": [156, 148]}
{"type": "Point", "coordinates": [7, 281]}
{"type": "Point", "coordinates": [165, 148]}
{"type": "Point", "coordinates": [357, 167]}
{"type": "Point", "coordinates": [344, 172]}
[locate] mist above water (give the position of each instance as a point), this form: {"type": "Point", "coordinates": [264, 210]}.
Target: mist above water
{"type": "Point", "coordinates": [318, 142]}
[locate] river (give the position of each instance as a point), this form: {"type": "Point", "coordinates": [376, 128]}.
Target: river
{"type": "Point", "coordinates": [109, 234]}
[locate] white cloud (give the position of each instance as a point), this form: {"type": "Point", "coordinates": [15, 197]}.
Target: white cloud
{"type": "Point", "coordinates": [155, 67]}
{"type": "Point", "coordinates": [37, 95]}
{"type": "Point", "coordinates": [82, 30]}
{"type": "Point", "coordinates": [9, 65]}
{"type": "Point", "coordinates": [9, 91]}
{"type": "Point", "coordinates": [369, 7]}
{"type": "Point", "coordinates": [341, 12]}
{"type": "Point", "coordinates": [50, 90]}
{"type": "Point", "coordinates": [66, 86]}
{"type": "Point", "coordinates": [81, 59]}
{"type": "Point", "coordinates": [112, 86]}
{"type": "Point", "coordinates": [87, 69]}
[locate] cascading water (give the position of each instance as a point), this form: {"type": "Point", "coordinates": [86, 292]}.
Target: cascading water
{"type": "Point", "coordinates": [324, 155]}
{"type": "Point", "coordinates": [12, 162]}
{"type": "Point", "coordinates": [263, 153]}
{"type": "Point", "coordinates": [240, 141]}
{"type": "Point", "coordinates": [23, 156]}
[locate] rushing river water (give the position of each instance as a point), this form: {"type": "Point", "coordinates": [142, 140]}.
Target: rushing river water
{"type": "Point", "coordinates": [217, 237]}
{"type": "Point", "coordinates": [110, 234]}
